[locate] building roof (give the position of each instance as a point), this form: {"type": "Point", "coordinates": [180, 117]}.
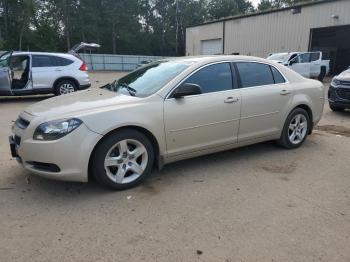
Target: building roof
{"type": "Point", "coordinates": [302, 4]}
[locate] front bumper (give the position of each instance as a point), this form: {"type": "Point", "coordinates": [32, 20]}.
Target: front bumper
{"type": "Point", "coordinates": [339, 97]}
{"type": "Point", "coordinates": [63, 159]}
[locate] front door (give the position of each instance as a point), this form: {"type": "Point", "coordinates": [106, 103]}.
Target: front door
{"type": "Point", "coordinates": [265, 99]}
{"type": "Point", "coordinates": [301, 64]}
{"type": "Point", "coordinates": [5, 74]}
{"type": "Point", "coordinates": [21, 74]}
{"type": "Point", "coordinates": [210, 119]}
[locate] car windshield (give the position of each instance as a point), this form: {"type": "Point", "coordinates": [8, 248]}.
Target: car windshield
{"type": "Point", "coordinates": [279, 57]}
{"type": "Point", "coordinates": [148, 79]}
{"type": "Point", "coordinates": [4, 59]}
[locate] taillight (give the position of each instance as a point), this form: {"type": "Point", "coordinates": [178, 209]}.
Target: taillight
{"type": "Point", "coordinates": [83, 67]}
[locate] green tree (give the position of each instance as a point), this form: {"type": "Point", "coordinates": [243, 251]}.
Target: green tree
{"type": "Point", "coordinates": [224, 8]}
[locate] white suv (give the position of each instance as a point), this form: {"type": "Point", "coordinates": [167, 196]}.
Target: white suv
{"type": "Point", "coordinates": [24, 73]}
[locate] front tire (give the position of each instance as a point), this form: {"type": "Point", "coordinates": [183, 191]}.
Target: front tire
{"type": "Point", "coordinates": [335, 108]}
{"type": "Point", "coordinates": [296, 129]}
{"type": "Point", "coordinates": [322, 74]}
{"type": "Point", "coordinates": [65, 87]}
{"type": "Point", "coordinates": [122, 160]}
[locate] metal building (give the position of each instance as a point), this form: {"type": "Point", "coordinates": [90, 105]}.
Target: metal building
{"type": "Point", "coordinates": [315, 26]}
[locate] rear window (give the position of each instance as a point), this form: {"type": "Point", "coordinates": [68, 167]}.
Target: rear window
{"type": "Point", "coordinates": [314, 56]}
{"type": "Point", "coordinates": [60, 61]}
{"type": "Point", "coordinates": [50, 61]}
{"type": "Point", "coordinates": [277, 76]}
{"type": "Point", "coordinates": [254, 74]}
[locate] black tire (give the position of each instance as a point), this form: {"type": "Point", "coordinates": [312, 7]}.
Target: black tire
{"type": "Point", "coordinates": [97, 167]}
{"type": "Point", "coordinates": [322, 74]}
{"type": "Point", "coordinates": [335, 108]}
{"type": "Point", "coordinates": [58, 85]}
{"type": "Point", "coordinates": [284, 139]}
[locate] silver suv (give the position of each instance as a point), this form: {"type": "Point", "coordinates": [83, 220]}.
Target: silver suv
{"type": "Point", "coordinates": [27, 73]}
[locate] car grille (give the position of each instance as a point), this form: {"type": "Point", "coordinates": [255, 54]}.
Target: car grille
{"type": "Point", "coordinates": [344, 83]}
{"type": "Point", "coordinates": [17, 140]}
{"type": "Point", "coordinates": [343, 93]}
{"type": "Point", "coordinates": [22, 123]}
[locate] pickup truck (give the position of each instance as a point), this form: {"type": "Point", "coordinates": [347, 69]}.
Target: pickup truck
{"type": "Point", "coordinates": [308, 64]}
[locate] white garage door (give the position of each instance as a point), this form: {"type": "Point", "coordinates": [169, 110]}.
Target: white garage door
{"type": "Point", "coordinates": [211, 47]}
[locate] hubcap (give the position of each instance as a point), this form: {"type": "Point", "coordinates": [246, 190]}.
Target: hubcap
{"type": "Point", "coordinates": [66, 88]}
{"type": "Point", "coordinates": [297, 129]}
{"type": "Point", "coordinates": [126, 161]}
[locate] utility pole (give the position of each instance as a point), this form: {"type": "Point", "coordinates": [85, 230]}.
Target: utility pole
{"type": "Point", "coordinates": [177, 27]}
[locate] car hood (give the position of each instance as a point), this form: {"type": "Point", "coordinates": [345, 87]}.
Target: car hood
{"type": "Point", "coordinates": [344, 76]}
{"type": "Point", "coordinates": [79, 103]}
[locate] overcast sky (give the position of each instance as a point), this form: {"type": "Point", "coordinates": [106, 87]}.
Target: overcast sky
{"type": "Point", "coordinates": [255, 2]}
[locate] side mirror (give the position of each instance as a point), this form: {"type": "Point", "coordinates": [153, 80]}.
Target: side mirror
{"type": "Point", "coordinates": [187, 89]}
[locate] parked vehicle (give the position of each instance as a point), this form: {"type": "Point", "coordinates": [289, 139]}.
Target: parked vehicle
{"type": "Point", "coordinates": [339, 91]}
{"type": "Point", "coordinates": [308, 64]}
{"type": "Point", "coordinates": [28, 73]}
{"type": "Point", "coordinates": [166, 111]}
{"type": "Point", "coordinates": [143, 63]}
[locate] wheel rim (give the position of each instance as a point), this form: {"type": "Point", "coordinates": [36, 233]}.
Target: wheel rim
{"type": "Point", "coordinates": [66, 88]}
{"type": "Point", "coordinates": [126, 161]}
{"type": "Point", "coordinates": [297, 129]}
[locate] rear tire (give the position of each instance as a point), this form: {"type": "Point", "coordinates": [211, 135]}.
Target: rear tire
{"type": "Point", "coordinates": [122, 160]}
{"type": "Point", "coordinates": [296, 129]}
{"type": "Point", "coordinates": [322, 74]}
{"type": "Point", "coordinates": [65, 87]}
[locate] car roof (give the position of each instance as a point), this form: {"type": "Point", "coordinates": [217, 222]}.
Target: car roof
{"type": "Point", "coordinates": [214, 58]}
{"type": "Point", "coordinates": [43, 53]}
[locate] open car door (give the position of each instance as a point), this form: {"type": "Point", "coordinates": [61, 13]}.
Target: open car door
{"type": "Point", "coordinates": [76, 48]}
{"type": "Point", "coordinates": [301, 64]}
{"type": "Point", "coordinates": [5, 74]}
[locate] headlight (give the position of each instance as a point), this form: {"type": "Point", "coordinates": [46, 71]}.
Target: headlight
{"type": "Point", "coordinates": [335, 82]}
{"type": "Point", "coordinates": [54, 130]}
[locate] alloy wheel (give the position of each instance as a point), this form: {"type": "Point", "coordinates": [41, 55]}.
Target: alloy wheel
{"type": "Point", "coordinates": [66, 88]}
{"type": "Point", "coordinates": [297, 129]}
{"type": "Point", "coordinates": [126, 161]}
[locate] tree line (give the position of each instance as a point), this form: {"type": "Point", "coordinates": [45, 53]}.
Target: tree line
{"type": "Point", "coordinates": [149, 27]}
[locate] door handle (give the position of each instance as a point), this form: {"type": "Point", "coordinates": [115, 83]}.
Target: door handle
{"type": "Point", "coordinates": [57, 69]}
{"type": "Point", "coordinates": [231, 100]}
{"type": "Point", "coordinates": [285, 92]}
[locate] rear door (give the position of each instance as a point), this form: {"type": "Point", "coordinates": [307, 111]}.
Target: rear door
{"type": "Point", "coordinates": [301, 64]}
{"type": "Point", "coordinates": [315, 64]}
{"type": "Point", "coordinates": [265, 98]}
{"type": "Point", "coordinates": [44, 71]}
{"type": "Point", "coordinates": [5, 74]}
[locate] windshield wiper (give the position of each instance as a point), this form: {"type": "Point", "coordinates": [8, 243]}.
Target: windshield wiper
{"type": "Point", "coordinates": [131, 90]}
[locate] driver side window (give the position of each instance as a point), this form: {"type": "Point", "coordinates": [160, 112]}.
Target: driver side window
{"type": "Point", "coordinates": [212, 78]}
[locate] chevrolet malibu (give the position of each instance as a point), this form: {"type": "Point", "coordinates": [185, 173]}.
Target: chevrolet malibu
{"type": "Point", "coordinates": [164, 112]}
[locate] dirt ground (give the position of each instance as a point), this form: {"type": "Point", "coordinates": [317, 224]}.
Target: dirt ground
{"type": "Point", "coordinates": [258, 203]}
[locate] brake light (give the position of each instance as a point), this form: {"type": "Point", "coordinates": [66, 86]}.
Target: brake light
{"type": "Point", "coordinates": [83, 67]}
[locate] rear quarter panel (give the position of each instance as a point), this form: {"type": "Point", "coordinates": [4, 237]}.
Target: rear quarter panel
{"type": "Point", "coordinates": [311, 93]}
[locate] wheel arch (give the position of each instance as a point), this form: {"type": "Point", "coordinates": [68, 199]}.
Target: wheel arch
{"type": "Point", "coordinates": [308, 110]}
{"type": "Point", "coordinates": [158, 160]}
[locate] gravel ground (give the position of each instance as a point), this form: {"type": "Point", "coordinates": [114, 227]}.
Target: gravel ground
{"type": "Point", "coordinates": [257, 203]}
